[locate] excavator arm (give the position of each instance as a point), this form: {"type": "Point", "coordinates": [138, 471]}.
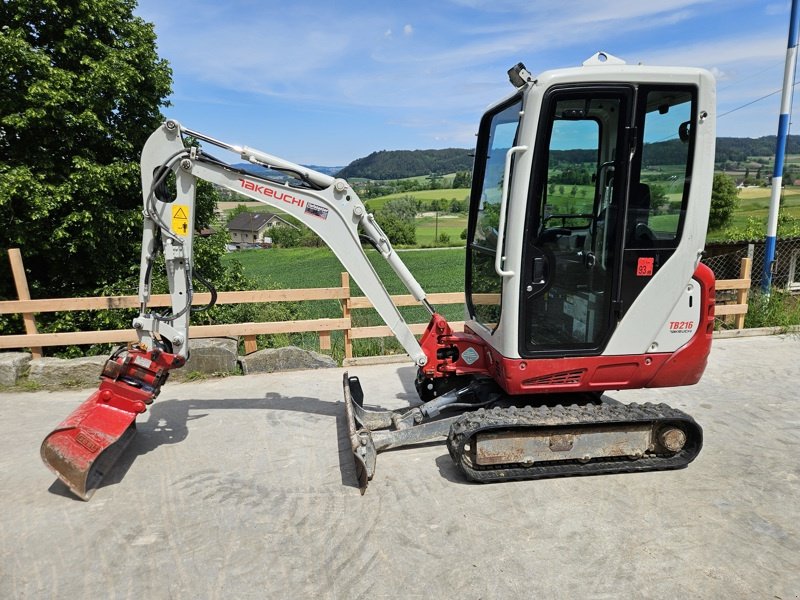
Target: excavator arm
{"type": "Point", "coordinates": [326, 205]}
{"type": "Point", "coordinates": [87, 443]}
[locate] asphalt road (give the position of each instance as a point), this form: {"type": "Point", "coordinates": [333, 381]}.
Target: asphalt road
{"type": "Point", "coordinates": [244, 488]}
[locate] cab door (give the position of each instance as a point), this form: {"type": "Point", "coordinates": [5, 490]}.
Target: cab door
{"type": "Point", "coordinates": [498, 134]}
{"type": "Point", "coordinates": [575, 219]}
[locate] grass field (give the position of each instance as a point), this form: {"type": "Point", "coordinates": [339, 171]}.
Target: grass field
{"type": "Point", "coordinates": [430, 227]}
{"type": "Point", "coordinates": [437, 270]}
{"type": "Point", "coordinates": [754, 204]}
{"type": "Point", "coordinates": [446, 194]}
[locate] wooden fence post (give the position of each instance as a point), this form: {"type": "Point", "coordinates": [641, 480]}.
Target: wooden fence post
{"type": "Point", "coordinates": [346, 313]}
{"type": "Point", "coordinates": [250, 344]}
{"type": "Point", "coordinates": [741, 295]}
{"type": "Point", "coordinates": [21, 283]}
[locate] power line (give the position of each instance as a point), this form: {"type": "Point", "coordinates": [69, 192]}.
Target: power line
{"type": "Point", "coordinates": [747, 78]}
{"type": "Point", "coordinates": [733, 110]}
{"type": "Point", "coordinates": [753, 102]}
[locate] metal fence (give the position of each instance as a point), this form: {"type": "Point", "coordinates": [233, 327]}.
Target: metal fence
{"type": "Point", "coordinates": [725, 260]}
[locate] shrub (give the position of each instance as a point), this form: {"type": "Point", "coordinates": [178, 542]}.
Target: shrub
{"type": "Point", "coordinates": [724, 198]}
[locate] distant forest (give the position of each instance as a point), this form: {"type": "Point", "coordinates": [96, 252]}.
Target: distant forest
{"type": "Point", "coordinates": [399, 164]}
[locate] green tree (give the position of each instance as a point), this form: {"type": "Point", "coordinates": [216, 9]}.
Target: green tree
{"type": "Point", "coordinates": [236, 210]}
{"type": "Point", "coordinates": [462, 179]}
{"type": "Point", "coordinates": [658, 198]}
{"type": "Point", "coordinates": [457, 206]}
{"type": "Point", "coordinates": [81, 87]}
{"type": "Point", "coordinates": [397, 219]}
{"type": "Point", "coordinates": [285, 236]}
{"type": "Point", "coordinates": [724, 199]}
{"type": "Point", "coordinates": [434, 181]}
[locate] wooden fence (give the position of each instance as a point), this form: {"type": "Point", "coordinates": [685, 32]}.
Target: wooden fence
{"type": "Point", "coordinates": [742, 286]}
{"type": "Point", "coordinates": [36, 341]}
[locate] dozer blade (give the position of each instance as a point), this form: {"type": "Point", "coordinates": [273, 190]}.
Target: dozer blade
{"type": "Point", "coordinates": [374, 430]}
{"type": "Point", "coordinates": [84, 447]}
{"type": "Point", "coordinates": [364, 452]}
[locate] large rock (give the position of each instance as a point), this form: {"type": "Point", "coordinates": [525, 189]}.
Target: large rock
{"type": "Point", "coordinates": [66, 372]}
{"type": "Point", "coordinates": [289, 358]}
{"type": "Point", "coordinates": [13, 366]}
{"type": "Point", "coordinates": [211, 355]}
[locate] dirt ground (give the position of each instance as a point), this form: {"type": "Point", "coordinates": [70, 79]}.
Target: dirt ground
{"type": "Point", "coordinates": [244, 488]}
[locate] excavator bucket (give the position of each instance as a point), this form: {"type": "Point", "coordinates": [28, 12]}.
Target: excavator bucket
{"type": "Point", "coordinates": [85, 446]}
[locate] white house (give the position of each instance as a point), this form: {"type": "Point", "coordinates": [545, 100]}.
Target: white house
{"type": "Point", "coordinates": [253, 227]}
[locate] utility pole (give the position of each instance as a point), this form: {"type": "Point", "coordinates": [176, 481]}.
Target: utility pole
{"type": "Point", "coordinates": [780, 148]}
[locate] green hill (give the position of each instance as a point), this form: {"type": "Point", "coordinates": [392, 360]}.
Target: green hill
{"type": "Point", "coordinates": [400, 164]}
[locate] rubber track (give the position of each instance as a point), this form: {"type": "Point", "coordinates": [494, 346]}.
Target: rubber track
{"type": "Point", "coordinates": [571, 417]}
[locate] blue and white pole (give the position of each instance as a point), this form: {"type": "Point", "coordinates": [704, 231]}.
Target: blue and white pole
{"type": "Point", "coordinates": [780, 148]}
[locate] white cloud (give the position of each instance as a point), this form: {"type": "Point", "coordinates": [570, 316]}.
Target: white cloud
{"type": "Point", "coordinates": [718, 74]}
{"type": "Point", "coordinates": [778, 8]}
{"type": "Point", "coordinates": [731, 51]}
{"type": "Point", "coordinates": [450, 77]}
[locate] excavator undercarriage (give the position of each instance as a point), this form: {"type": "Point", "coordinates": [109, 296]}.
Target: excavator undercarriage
{"type": "Point", "coordinates": [492, 438]}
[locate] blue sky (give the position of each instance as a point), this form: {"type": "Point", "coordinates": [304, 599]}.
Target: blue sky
{"type": "Point", "coordinates": [327, 82]}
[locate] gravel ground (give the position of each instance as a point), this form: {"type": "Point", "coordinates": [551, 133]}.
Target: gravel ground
{"type": "Point", "coordinates": [244, 488]}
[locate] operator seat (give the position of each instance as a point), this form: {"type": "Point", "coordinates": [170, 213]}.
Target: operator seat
{"type": "Point", "coordinates": [639, 233]}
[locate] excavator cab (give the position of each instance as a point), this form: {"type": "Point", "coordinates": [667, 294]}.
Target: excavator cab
{"type": "Point", "coordinates": [584, 207]}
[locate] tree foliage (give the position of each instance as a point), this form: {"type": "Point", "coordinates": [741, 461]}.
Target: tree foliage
{"type": "Point", "coordinates": [658, 197]}
{"type": "Point", "coordinates": [397, 164]}
{"type": "Point", "coordinates": [81, 87]}
{"type": "Point", "coordinates": [739, 149]}
{"type": "Point", "coordinates": [285, 236]}
{"type": "Point", "coordinates": [463, 179]}
{"type": "Point", "coordinates": [754, 229]}
{"type": "Point", "coordinates": [724, 198]}
{"type": "Point", "coordinates": [396, 218]}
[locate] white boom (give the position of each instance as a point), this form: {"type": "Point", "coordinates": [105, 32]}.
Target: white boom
{"type": "Point", "coordinates": [326, 205]}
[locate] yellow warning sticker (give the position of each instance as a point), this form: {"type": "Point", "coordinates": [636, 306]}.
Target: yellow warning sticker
{"type": "Point", "coordinates": [180, 220]}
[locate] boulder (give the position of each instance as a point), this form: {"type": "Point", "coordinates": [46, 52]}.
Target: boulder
{"type": "Point", "coordinates": [13, 366]}
{"type": "Point", "coordinates": [210, 355]}
{"type": "Point", "coordinates": [66, 372]}
{"type": "Point", "coordinates": [289, 358]}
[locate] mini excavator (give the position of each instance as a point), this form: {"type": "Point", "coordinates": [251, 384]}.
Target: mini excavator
{"type": "Point", "coordinates": [587, 218]}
